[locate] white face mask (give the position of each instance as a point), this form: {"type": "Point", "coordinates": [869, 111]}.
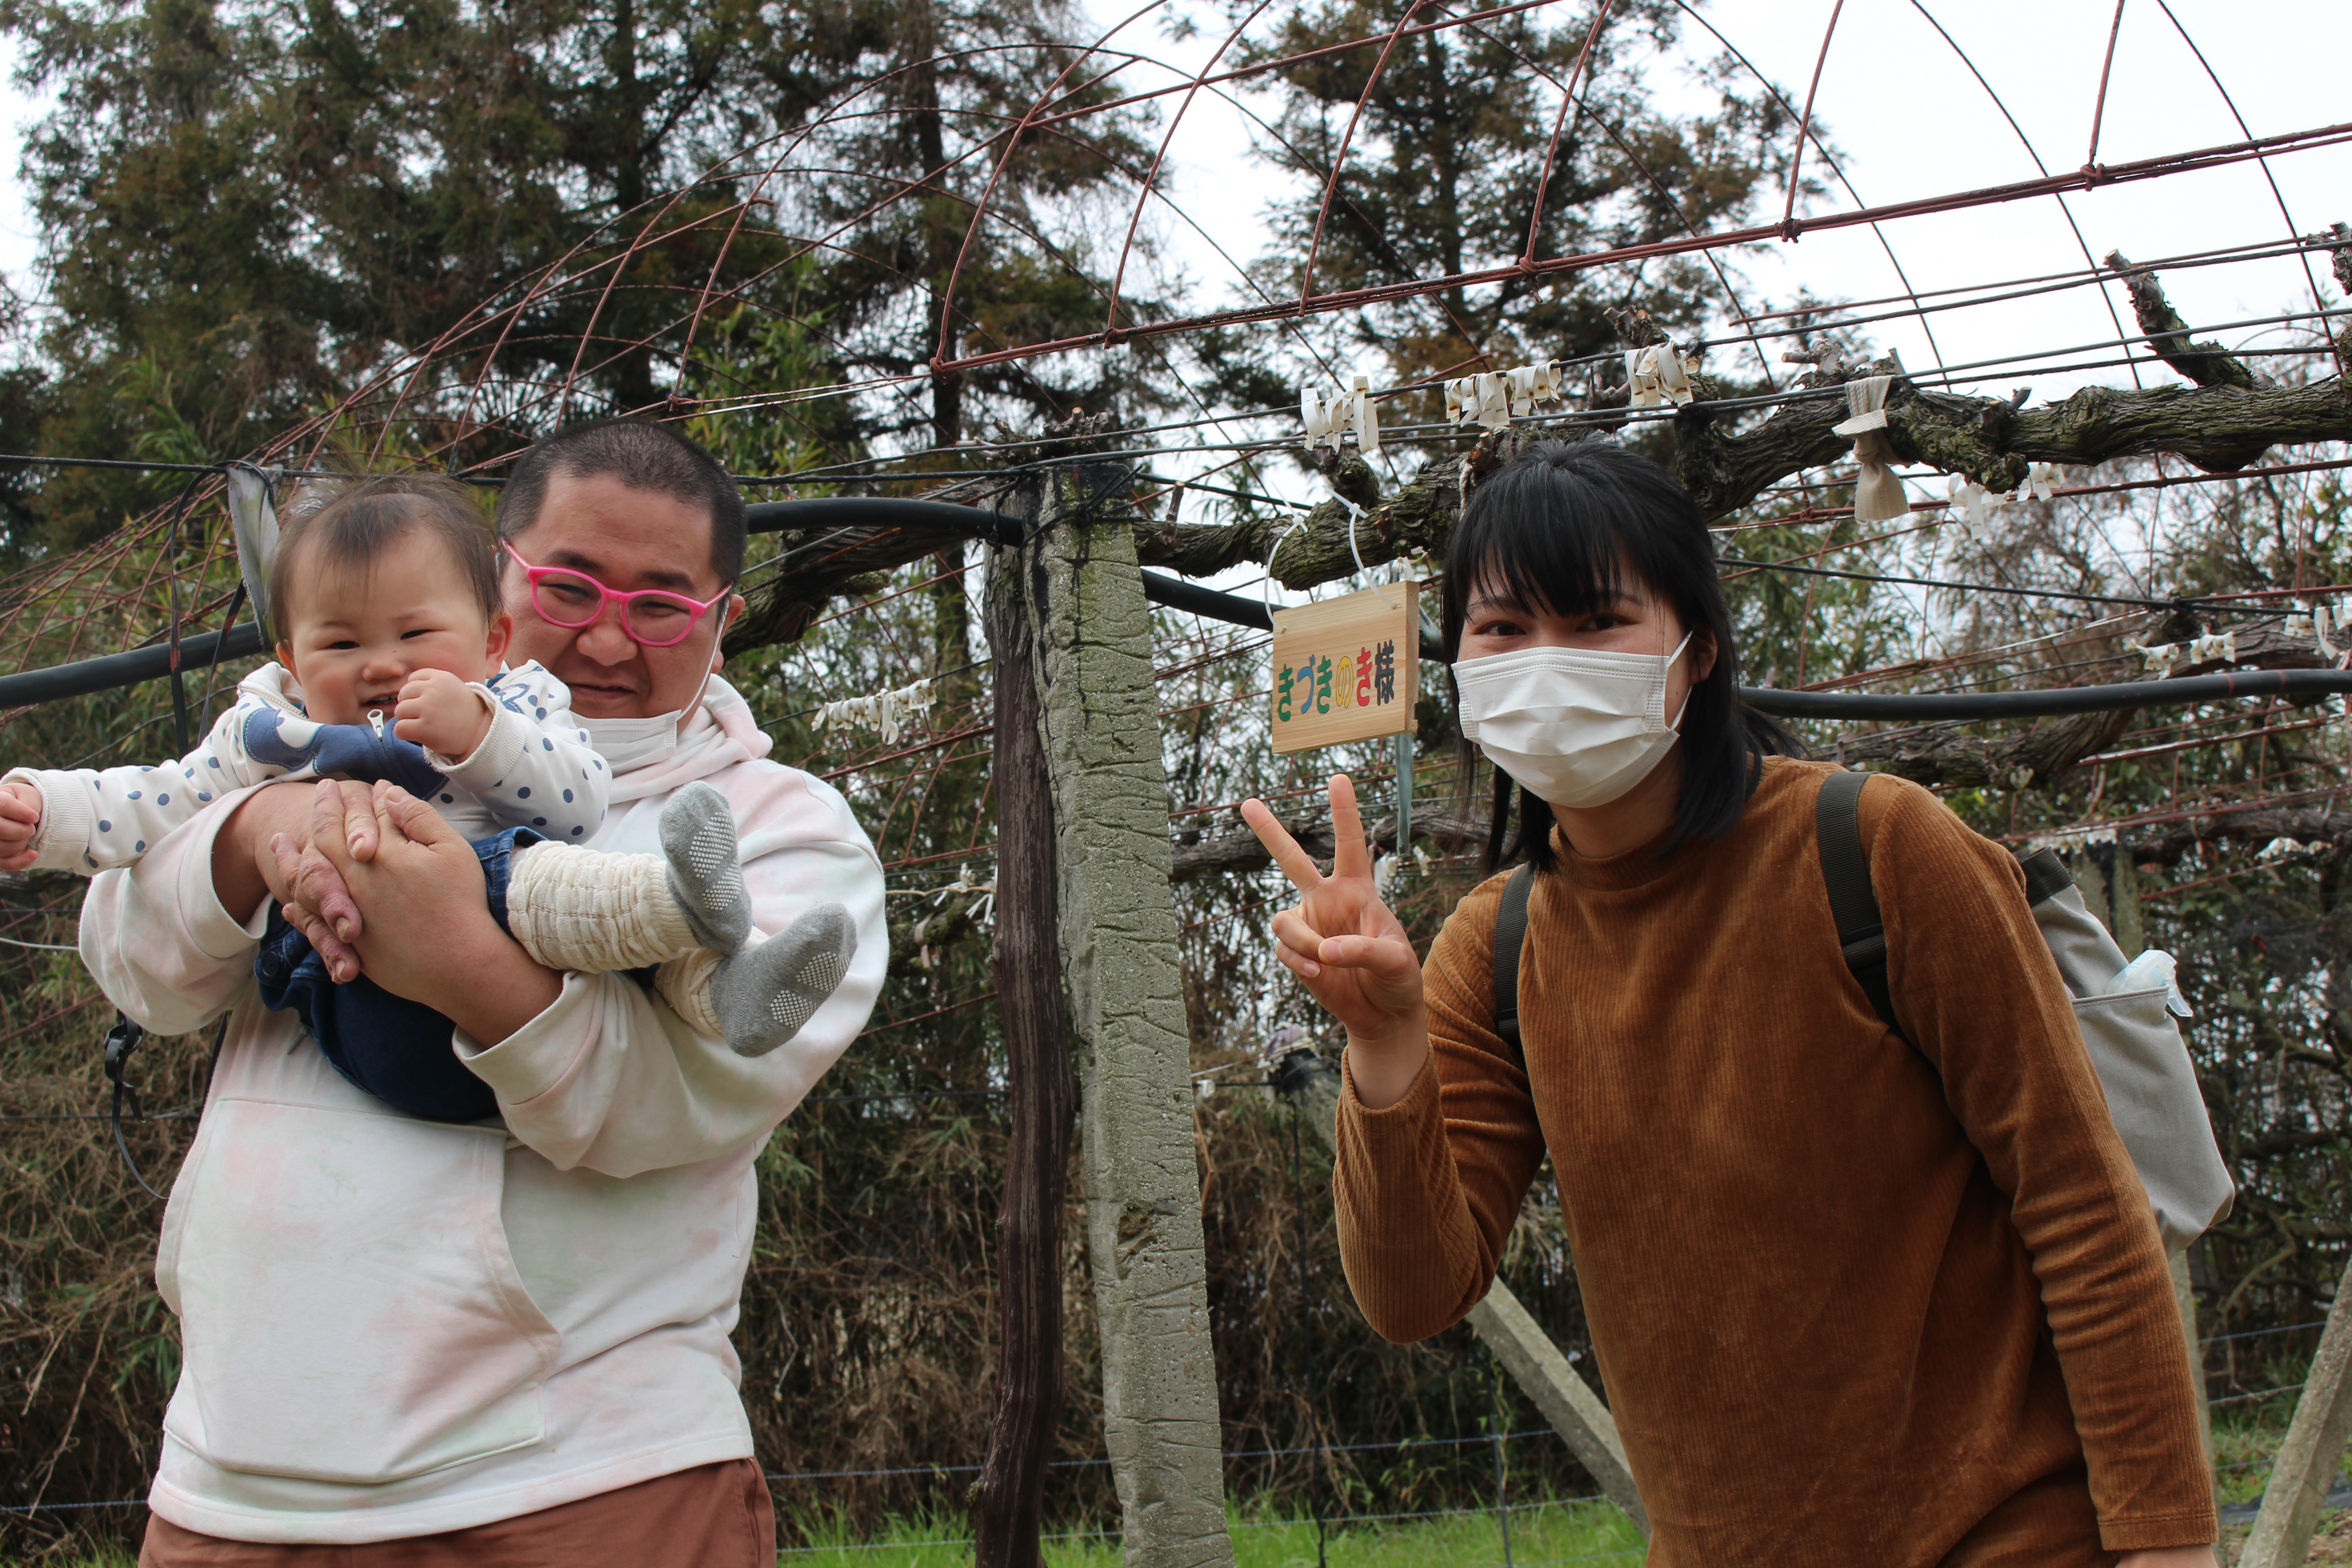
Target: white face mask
{"type": "Point", "coordinates": [629, 743]}
{"type": "Point", "coordinates": [1578, 727]}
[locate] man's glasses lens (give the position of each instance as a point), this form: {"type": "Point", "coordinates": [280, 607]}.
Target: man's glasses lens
{"type": "Point", "coordinates": [568, 599]}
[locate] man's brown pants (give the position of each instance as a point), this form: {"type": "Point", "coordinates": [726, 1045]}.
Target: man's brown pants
{"type": "Point", "coordinates": [715, 1516]}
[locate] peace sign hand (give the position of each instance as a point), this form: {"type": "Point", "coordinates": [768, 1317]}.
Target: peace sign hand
{"type": "Point", "coordinates": [1350, 952]}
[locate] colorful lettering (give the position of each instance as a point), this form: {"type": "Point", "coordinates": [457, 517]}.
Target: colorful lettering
{"type": "Point", "coordinates": [1282, 696]}
{"type": "Point", "coordinates": [1323, 685]}
{"type": "Point", "coordinates": [1384, 672]}
{"type": "Point", "coordinates": [1364, 678]}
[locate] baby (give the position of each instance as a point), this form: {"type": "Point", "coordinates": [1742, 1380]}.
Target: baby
{"type": "Point", "coordinates": [390, 667]}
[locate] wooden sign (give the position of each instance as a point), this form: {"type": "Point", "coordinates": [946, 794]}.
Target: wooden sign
{"type": "Point", "coordinates": [1347, 669]}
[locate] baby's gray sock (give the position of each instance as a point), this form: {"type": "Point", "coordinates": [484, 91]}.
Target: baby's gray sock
{"type": "Point", "coordinates": [764, 994]}
{"type": "Point", "coordinates": [706, 871]}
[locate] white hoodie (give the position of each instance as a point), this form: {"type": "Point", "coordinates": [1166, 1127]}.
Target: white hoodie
{"type": "Point", "coordinates": [393, 1327]}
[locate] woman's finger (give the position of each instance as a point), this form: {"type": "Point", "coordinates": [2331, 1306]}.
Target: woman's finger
{"type": "Point", "coordinates": [317, 884]}
{"type": "Point", "coordinates": [1352, 856]}
{"type": "Point", "coordinates": [1296, 863]}
{"type": "Point", "coordinates": [1294, 930]}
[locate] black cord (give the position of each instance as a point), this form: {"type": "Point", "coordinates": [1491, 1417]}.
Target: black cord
{"type": "Point", "coordinates": [120, 1041]}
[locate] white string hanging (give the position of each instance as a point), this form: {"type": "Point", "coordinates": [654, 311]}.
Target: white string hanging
{"type": "Point", "coordinates": [892, 713]}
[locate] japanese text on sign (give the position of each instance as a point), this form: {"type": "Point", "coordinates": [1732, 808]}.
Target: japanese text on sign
{"type": "Point", "coordinates": [1345, 668]}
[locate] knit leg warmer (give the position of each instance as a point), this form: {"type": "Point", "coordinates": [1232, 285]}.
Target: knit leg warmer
{"type": "Point", "coordinates": [578, 909]}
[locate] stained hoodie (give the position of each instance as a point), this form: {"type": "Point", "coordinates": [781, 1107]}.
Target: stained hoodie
{"type": "Point", "coordinates": [394, 1327]}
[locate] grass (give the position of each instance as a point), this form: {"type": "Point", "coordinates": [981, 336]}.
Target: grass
{"type": "Point", "coordinates": [1558, 1533]}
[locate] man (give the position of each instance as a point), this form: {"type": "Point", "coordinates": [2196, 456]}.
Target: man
{"type": "Point", "coordinates": [420, 1342]}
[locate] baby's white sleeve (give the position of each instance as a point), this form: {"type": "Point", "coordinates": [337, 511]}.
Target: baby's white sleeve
{"type": "Point", "coordinates": [97, 819]}
{"type": "Point", "coordinates": [536, 768]}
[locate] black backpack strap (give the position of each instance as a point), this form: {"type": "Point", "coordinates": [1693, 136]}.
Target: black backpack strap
{"type": "Point", "coordinates": [2044, 874]}
{"type": "Point", "coordinates": [1861, 931]}
{"type": "Point", "coordinates": [1511, 935]}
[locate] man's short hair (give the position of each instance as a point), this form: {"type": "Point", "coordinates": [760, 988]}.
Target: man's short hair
{"type": "Point", "coordinates": [642, 454]}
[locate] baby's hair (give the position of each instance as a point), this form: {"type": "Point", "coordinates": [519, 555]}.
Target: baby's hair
{"type": "Point", "coordinates": [359, 519]}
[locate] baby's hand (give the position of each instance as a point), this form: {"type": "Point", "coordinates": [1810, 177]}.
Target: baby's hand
{"type": "Point", "coordinates": [20, 819]}
{"type": "Point", "coordinates": [440, 714]}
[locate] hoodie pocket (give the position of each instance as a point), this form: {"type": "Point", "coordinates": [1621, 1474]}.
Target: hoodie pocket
{"type": "Point", "coordinates": [348, 1307]}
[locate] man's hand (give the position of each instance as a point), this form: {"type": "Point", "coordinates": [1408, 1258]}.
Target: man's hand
{"type": "Point", "coordinates": [311, 892]}
{"type": "Point", "coordinates": [428, 935]}
{"type": "Point", "coordinates": [441, 714]}
{"type": "Point", "coordinates": [20, 820]}
{"type": "Point", "coordinates": [2168, 1557]}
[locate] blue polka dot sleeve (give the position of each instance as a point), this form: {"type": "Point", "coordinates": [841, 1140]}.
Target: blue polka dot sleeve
{"type": "Point", "coordinates": [536, 768]}
{"type": "Point", "coordinates": [97, 819]}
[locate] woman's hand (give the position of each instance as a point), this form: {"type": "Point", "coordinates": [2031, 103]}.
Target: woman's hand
{"type": "Point", "coordinates": [1352, 954]}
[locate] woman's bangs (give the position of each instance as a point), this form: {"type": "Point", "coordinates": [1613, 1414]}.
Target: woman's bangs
{"type": "Point", "coordinates": [1546, 547]}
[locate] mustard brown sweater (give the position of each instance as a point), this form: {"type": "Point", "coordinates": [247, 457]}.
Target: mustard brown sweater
{"type": "Point", "coordinates": [1856, 1304]}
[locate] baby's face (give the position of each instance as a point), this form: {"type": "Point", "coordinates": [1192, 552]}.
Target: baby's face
{"type": "Point", "coordinates": [358, 635]}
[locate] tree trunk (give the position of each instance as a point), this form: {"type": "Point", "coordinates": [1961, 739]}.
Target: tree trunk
{"type": "Point", "coordinates": [1098, 720]}
{"type": "Point", "coordinates": [1029, 1008]}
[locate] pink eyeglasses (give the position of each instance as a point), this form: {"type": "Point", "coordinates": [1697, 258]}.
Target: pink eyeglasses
{"type": "Point", "coordinates": [652, 617]}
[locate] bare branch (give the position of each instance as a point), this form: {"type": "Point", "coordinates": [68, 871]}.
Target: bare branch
{"type": "Point", "coordinates": [2206, 364]}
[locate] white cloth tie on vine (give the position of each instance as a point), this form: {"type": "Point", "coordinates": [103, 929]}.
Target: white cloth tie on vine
{"type": "Point", "coordinates": [2042, 479]}
{"type": "Point", "coordinates": [890, 712]}
{"type": "Point", "coordinates": [981, 911]}
{"type": "Point", "coordinates": [1972, 505]}
{"type": "Point", "coordinates": [1483, 399]}
{"type": "Point", "coordinates": [1877, 494]}
{"type": "Point", "coordinates": [1658, 374]}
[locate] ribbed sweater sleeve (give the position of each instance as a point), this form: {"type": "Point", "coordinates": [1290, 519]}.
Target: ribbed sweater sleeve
{"type": "Point", "coordinates": [2018, 1077]}
{"type": "Point", "coordinates": [1428, 1188]}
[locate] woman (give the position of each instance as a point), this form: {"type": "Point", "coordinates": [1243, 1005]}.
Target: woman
{"type": "Point", "coordinates": [1860, 1299]}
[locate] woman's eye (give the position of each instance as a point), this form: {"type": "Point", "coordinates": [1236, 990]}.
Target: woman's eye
{"type": "Point", "coordinates": [1498, 630]}
{"type": "Point", "coordinates": [572, 594]}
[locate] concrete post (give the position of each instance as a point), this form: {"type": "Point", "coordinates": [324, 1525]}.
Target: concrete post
{"type": "Point", "coordinates": [1098, 720]}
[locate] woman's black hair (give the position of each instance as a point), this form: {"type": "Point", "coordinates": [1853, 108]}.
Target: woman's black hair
{"type": "Point", "coordinates": [1561, 527]}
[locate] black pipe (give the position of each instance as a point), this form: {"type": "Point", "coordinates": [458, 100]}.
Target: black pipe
{"type": "Point", "coordinates": [1231, 608]}
{"type": "Point", "coordinates": [31, 687]}
{"type": "Point", "coordinates": [53, 684]}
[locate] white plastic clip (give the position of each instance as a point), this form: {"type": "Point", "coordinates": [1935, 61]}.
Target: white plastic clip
{"type": "Point", "coordinates": [1366, 413]}
{"type": "Point", "coordinates": [1319, 416]}
{"type": "Point", "coordinates": [375, 721]}
{"type": "Point", "coordinates": [1877, 494]}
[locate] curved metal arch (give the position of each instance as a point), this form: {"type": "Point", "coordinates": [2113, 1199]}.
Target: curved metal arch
{"type": "Point", "coordinates": [1340, 159]}
{"type": "Point", "coordinates": [1559, 126]}
{"type": "Point", "coordinates": [2084, 245]}
{"type": "Point", "coordinates": [1012, 146]}
{"type": "Point", "coordinates": [1118, 276]}
{"type": "Point", "coordinates": [2264, 164]}
{"type": "Point", "coordinates": [1837, 171]}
